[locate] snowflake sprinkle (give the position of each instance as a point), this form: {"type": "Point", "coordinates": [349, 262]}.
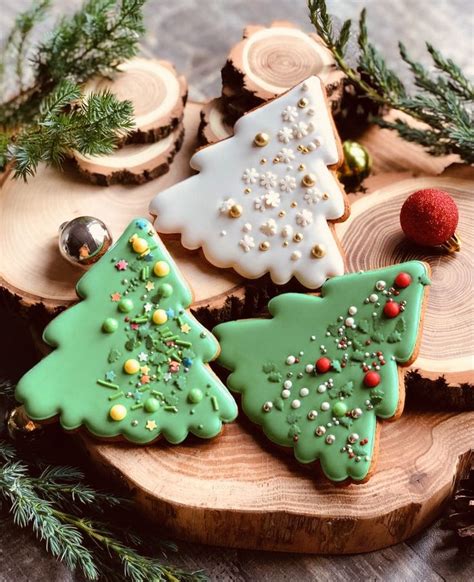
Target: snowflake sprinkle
{"type": "Point", "coordinates": [268, 180]}
{"type": "Point", "coordinates": [272, 199]}
{"type": "Point", "coordinates": [285, 134]}
{"type": "Point", "coordinates": [287, 184]}
{"type": "Point", "coordinates": [304, 218]}
{"type": "Point", "coordinates": [247, 243]}
{"type": "Point", "coordinates": [312, 196]}
{"type": "Point", "coordinates": [269, 228]}
{"type": "Point", "coordinates": [290, 113]}
{"type": "Point", "coordinates": [250, 176]}
{"type": "Point", "coordinates": [286, 155]}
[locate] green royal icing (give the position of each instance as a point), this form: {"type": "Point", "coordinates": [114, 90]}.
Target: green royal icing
{"type": "Point", "coordinates": [327, 416]}
{"type": "Point", "coordinates": [83, 378]}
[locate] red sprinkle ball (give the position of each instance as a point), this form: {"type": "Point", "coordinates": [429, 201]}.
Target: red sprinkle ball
{"type": "Point", "coordinates": [372, 379]}
{"type": "Point", "coordinates": [391, 309]}
{"type": "Point", "coordinates": [323, 365]}
{"type": "Point", "coordinates": [402, 280]}
{"type": "Point", "coordinates": [429, 217]}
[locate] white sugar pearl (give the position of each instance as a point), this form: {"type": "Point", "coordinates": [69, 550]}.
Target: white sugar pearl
{"type": "Point", "coordinates": [247, 227]}
{"type": "Point", "coordinates": [349, 321]}
{"type": "Point", "coordinates": [330, 439]}
{"type": "Point", "coordinates": [268, 406]}
{"type": "Point", "coordinates": [295, 255]}
{"type": "Point", "coordinates": [380, 285]}
{"type": "Point", "coordinates": [295, 404]}
{"type": "Point", "coordinates": [287, 231]}
{"type": "Point", "coordinates": [309, 368]}
{"type": "Point", "coordinates": [352, 310]}
{"type": "Point", "coordinates": [373, 297]}
{"type": "Point", "coordinates": [290, 360]}
{"type": "Point", "coordinates": [325, 406]}
{"type": "Point", "coordinates": [285, 393]}
{"type": "Point", "coordinates": [304, 392]}
{"type": "Point", "coordinates": [320, 430]}
{"type": "Point", "coordinates": [312, 414]}
{"type": "Point", "coordinates": [287, 384]}
{"type": "Point", "coordinates": [322, 388]}
{"type": "Point", "coordinates": [223, 232]}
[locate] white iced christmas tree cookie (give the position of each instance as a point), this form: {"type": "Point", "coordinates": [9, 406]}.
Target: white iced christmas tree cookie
{"type": "Point", "coordinates": [263, 198]}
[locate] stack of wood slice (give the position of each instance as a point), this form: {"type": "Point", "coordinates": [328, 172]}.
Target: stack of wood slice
{"type": "Point", "coordinates": [263, 65]}
{"type": "Point", "coordinates": [158, 95]}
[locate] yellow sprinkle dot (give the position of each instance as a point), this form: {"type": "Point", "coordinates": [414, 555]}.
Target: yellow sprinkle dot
{"type": "Point", "coordinates": [139, 245]}
{"type": "Point", "coordinates": [159, 317]}
{"type": "Point", "coordinates": [118, 412]}
{"type": "Point", "coordinates": [161, 268]}
{"type": "Point", "coordinates": [131, 366]}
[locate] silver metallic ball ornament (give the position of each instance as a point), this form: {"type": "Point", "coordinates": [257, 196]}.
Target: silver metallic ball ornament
{"type": "Point", "coordinates": [84, 240]}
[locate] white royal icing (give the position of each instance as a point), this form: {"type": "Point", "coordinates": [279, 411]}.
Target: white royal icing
{"type": "Point", "coordinates": [243, 189]}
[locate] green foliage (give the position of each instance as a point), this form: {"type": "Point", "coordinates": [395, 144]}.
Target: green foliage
{"type": "Point", "coordinates": [43, 121]}
{"type": "Point", "coordinates": [444, 102]}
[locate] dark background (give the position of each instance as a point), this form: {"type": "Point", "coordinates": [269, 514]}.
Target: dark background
{"type": "Point", "coordinates": [196, 35]}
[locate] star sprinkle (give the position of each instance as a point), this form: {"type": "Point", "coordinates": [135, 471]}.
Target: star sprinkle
{"type": "Point", "coordinates": [145, 379]}
{"type": "Point", "coordinates": [149, 257]}
{"type": "Point", "coordinates": [141, 224]}
{"type": "Point", "coordinates": [151, 425]}
{"type": "Point", "coordinates": [149, 286]}
{"type": "Point", "coordinates": [185, 328]}
{"type": "Point", "coordinates": [110, 376]}
{"type": "Point", "coordinates": [170, 312]}
{"type": "Point", "coordinates": [143, 357]}
{"type": "Point", "coordinates": [148, 307]}
{"type": "Point", "coordinates": [121, 265]}
{"type": "Point", "coordinates": [145, 369]}
{"type": "Point", "coordinates": [116, 296]}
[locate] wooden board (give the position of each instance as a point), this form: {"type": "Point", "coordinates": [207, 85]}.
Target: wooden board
{"type": "Point", "coordinates": [238, 491]}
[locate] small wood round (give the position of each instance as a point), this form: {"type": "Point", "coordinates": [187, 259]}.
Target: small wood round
{"type": "Point", "coordinates": [239, 491]}
{"type": "Point", "coordinates": [448, 343]}
{"type": "Point", "coordinates": [133, 163]}
{"type": "Point", "coordinates": [269, 61]}
{"type": "Point", "coordinates": [33, 276]}
{"type": "Point", "coordinates": [213, 127]}
{"type": "Point", "coordinates": [157, 92]}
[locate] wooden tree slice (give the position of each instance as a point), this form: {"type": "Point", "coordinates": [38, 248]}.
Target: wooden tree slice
{"type": "Point", "coordinates": [37, 281]}
{"type": "Point", "coordinates": [447, 345]}
{"type": "Point", "coordinates": [157, 92]}
{"type": "Point", "coordinates": [269, 61]}
{"type": "Point", "coordinates": [132, 164]}
{"type": "Point", "coordinates": [213, 127]}
{"type": "Point", "coordinates": [239, 491]}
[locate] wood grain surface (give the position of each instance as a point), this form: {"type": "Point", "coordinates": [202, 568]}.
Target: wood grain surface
{"type": "Point", "coordinates": [196, 37]}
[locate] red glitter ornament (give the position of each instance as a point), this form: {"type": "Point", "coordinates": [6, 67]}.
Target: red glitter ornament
{"type": "Point", "coordinates": [372, 379]}
{"type": "Point", "coordinates": [391, 309]}
{"type": "Point", "coordinates": [429, 217]}
{"type": "Point", "coordinates": [323, 365]}
{"type": "Point", "coordinates": [402, 280]}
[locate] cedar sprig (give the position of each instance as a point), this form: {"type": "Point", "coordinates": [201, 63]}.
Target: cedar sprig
{"type": "Point", "coordinates": [61, 509]}
{"type": "Point", "coordinates": [444, 100]}
{"type": "Point", "coordinates": [93, 41]}
{"type": "Point", "coordinates": [68, 120]}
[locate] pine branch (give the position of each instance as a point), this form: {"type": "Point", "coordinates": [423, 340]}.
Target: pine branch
{"type": "Point", "coordinates": [68, 121]}
{"type": "Point", "coordinates": [54, 504]}
{"type": "Point", "coordinates": [46, 120]}
{"type": "Point", "coordinates": [445, 102]}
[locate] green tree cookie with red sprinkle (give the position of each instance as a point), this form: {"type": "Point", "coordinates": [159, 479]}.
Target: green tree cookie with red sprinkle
{"type": "Point", "coordinates": [129, 359]}
{"type": "Point", "coordinates": [319, 373]}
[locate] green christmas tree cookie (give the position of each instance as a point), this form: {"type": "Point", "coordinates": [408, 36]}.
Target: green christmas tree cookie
{"type": "Point", "coordinates": [318, 374]}
{"type": "Point", "coordinates": [130, 360]}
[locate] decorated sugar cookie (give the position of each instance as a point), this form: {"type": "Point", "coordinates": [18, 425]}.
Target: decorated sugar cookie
{"type": "Point", "coordinates": [129, 359]}
{"type": "Point", "coordinates": [322, 370]}
{"type": "Point", "coordinates": [263, 198]}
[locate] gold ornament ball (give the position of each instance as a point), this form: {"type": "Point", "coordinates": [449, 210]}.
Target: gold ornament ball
{"type": "Point", "coordinates": [261, 139]}
{"type": "Point", "coordinates": [318, 251]}
{"type": "Point", "coordinates": [20, 426]}
{"type": "Point", "coordinates": [235, 211]}
{"type": "Point", "coordinates": [308, 180]}
{"type": "Point", "coordinates": [357, 164]}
